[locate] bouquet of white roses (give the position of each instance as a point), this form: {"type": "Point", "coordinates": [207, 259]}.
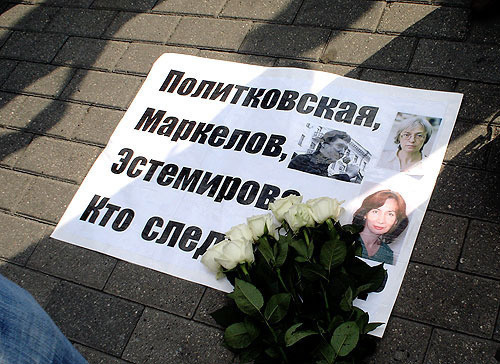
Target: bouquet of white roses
{"type": "Point", "coordinates": [294, 285]}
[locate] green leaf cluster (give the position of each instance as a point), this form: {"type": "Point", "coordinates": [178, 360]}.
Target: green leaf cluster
{"type": "Point", "coordinates": [294, 304]}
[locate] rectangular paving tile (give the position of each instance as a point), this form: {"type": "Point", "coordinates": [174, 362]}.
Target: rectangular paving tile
{"type": "Point", "coordinates": [468, 61]}
{"type": "Point", "coordinates": [72, 263]}
{"type": "Point", "coordinates": [494, 147]}
{"type": "Point", "coordinates": [139, 57]}
{"type": "Point", "coordinates": [46, 199]}
{"type": "Point", "coordinates": [238, 57]}
{"type": "Point", "coordinates": [13, 144]}
{"type": "Point", "coordinates": [37, 47]}
{"type": "Point", "coordinates": [454, 193]}
{"type": "Point", "coordinates": [406, 79]}
{"type": "Point", "coordinates": [440, 240]}
{"type": "Point", "coordinates": [93, 318]}
{"type": "Point", "coordinates": [14, 185]}
{"type": "Point", "coordinates": [97, 357]}
{"type": "Point", "coordinates": [212, 300]}
{"type": "Point", "coordinates": [468, 145]}
{"type": "Point", "coordinates": [41, 79]}
{"type": "Point", "coordinates": [19, 237]}
{"type": "Point", "coordinates": [449, 299]}
{"type": "Point", "coordinates": [39, 285]}
{"type": "Point", "coordinates": [101, 88]}
{"type": "Point", "coordinates": [73, 3]}
{"type": "Point", "coordinates": [20, 111]}
{"type": "Point", "coordinates": [346, 71]}
{"type": "Point", "coordinates": [376, 50]}
{"type": "Point", "coordinates": [97, 125]}
{"type": "Point", "coordinates": [90, 53]}
{"type": "Point", "coordinates": [148, 27]}
{"type": "Point", "coordinates": [286, 41]}
{"type": "Point", "coordinates": [27, 17]}
{"type": "Point", "coordinates": [485, 30]}
{"type": "Point", "coordinates": [59, 158]}
{"type": "Point", "coordinates": [450, 347]}
{"type": "Point", "coordinates": [354, 14]}
{"type": "Point", "coordinates": [481, 250]}
{"type": "Point", "coordinates": [425, 21]}
{"type": "Point", "coordinates": [395, 348]}
{"type": "Point", "coordinates": [161, 338]}
{"type": "Point", "coordinates": [137, 5]}
{"type": "Point", "coordinates": [82, 22]}
{"type": "Point", "coordinates": [278, 11]}
{"type": "Point", "coordinates": [212, 33]}
{"type": "Point", "coordinates": [481, 102]}
{"type": "Point", "coordinates": [6, 67]}
{"type": "Point", "coordinates": [152, 288]}
{"type": "Point", "coordinates": [198, 7]}
{"type": "Point", "coordinates": [4, 35]}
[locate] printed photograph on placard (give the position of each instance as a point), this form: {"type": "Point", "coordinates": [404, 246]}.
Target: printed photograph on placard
{"type": "Point", "coordinates": [330, 153]}
{"type": "Point", "coordinates": [409, 143]}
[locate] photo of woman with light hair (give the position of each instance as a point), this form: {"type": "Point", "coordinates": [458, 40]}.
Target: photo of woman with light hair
{"type": "Point", "coordinates": [383, 217]}
{"type": "Point", "coordinates": [411, 135]}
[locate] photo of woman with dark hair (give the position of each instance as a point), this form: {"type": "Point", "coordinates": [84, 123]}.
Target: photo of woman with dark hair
{"type": "Point", "coordinates": [383, 217]}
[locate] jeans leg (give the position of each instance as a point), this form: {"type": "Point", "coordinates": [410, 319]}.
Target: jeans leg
{"type": "Point", "coordinates": [27, 334]}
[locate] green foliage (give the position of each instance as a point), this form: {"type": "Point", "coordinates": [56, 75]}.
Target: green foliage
{"type": "Point", "coordinates": [294, 304]}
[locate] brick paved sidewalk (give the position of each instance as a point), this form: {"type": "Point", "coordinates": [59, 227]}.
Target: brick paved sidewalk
{"type": "Point", "coordinates": [68, 71]}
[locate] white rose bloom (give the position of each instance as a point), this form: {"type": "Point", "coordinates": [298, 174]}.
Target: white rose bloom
{"type": "Point", "coordinates": [323, 208]}
{"type": "Point", "coordinates": [298, 216]}
{"type": "Point", "coordinates": [234, 253]}
{"type": "Point", "coordinates": [259, 223]}
{"type": "Point", "coordinates": [240, 233]}
{"type": "Point", "coordinates": [281, 206]}
{"type": "Point", "coordinates": [215, 251]}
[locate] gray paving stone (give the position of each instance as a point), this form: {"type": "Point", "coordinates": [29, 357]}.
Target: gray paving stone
{"type": "Point", "coordinates": [346, 71]}
{"type": "Point", "coordinates": [449, 348]}
{"type": "Point", "coordinates": [12, 146]}
{"type": "Point", "coordinates": [74, 3]}
{"type": "Point", "coordinates": [38, 47]}
{"type": "Point", "coordinates": [286, 41]}
{"type": "Point", "coordinates": [82, 22]}
{"type": "Point", "coordinates": [6, 67]}
{"type": "Point", "coordinates": [155, 289]}
{"type": "Point", "coordinates": [27, 17]}
{"type": "Point", "coordinates": [459, 60]}
{"type": "Point", "coordinates": [161, 338]}
{"type": "Point", "coordinates": [198, 7]}
{"type": "Point", "coordinates": [354, 14]}
{"type": "Point", "coordinates": [449, 299]}
{"type": "Point", "coordinates": [97, 125]}
{"type": "Point", "coordinates": [4, 35]}
{"type": "Point", "coordinates": [41, 79]}
{"type": "Point", "coordinates": [238, 57]}
{"type": "Point", "coordinates": [139, 58]}
{"type": "Point", "coordinates": [212, 33]}
{"type": "Point", "coordinates": [485, 30]}
{"type": "Point", "coordinates": [100, 88]}
{"type": "Point", "coordinates": [14, 184]}
{"type": "Point", "coordinates": [96, 357]}
{"type": "Point", "coordinates": [496, 333]}
{"type": "Point", "coordinates": [457, 3]}
{"type": "Point", "coordinates": [467, 192]}
{"type": "Point", "coordinates": [425, 21]}
{"type": "Point", "coordinates": [279, 11]}
{"type": "Point", "coordinates": [148, 27]}
{"type": "Point", "coordinates": [494, 157]}
{"type": "Point", "coordinates": [72, 263]}
{"type": "Point", "coordinates": [91, 53]}
{"type": "Point", "coordinates": [395, 347]}
{"type": "Point", "coordinates": [377, 50]}
{"type": "Point", "coordinates": [212, 300]}
{"type": "Point", "coordinates": [481, 101]}
{"type": "Point", "coordinates": [20, 111]}
{"type": "Point", "coordinates": [46, 199]}
{"type": "Point", "coordinates": [481, 250]}
{"type": "Point", "coordinates": [440, 240]}
{"type": "Point", "coordinates": [39, 285]}
{"type": "Point", "coordinates": [93, 318]}
{"type": "Point", "coordinates": [59, 158]}
{"type": "Point", "coordinates": [124, 5]}
{"type": "Point", "coordinates": [408, 80]}
{"type": "Point", "coordinates": [468, 145]}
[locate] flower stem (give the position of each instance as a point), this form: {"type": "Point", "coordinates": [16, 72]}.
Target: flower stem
{"type": "Point", "coordinates": [245, 271]}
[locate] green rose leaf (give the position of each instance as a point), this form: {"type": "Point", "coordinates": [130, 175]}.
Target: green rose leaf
{"type": "Point", "coordinates": [277, 307]}
{"type": "Point", "coordinates": [300, 246]}
{"type": "Point", "coordinates": [292, 336]}
{"type": "Point", "coordinates": [327, 353]}
{"type": "Point", "coordinates": [247, 297]}
{"type": "Point", "coordinates": [345, 337]}
{"type": "Point", "coordinates": [226, 315]}
{"type": "Point", "coordinates": [282, 252]}
{"type": "Point", "coordinates": [241, 334]}
{"type": "Point", "coordinates": [371, 326]}
{"type": "Point", "coordinates": [266, 250]}
{"type": "Point", "coordinates": [346, 302]}
{"type": "Point", "coordinates": [333, 253]}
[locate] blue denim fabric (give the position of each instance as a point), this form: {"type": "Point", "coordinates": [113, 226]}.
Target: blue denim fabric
{"type": "Point", "coordinates": [27, 334]}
